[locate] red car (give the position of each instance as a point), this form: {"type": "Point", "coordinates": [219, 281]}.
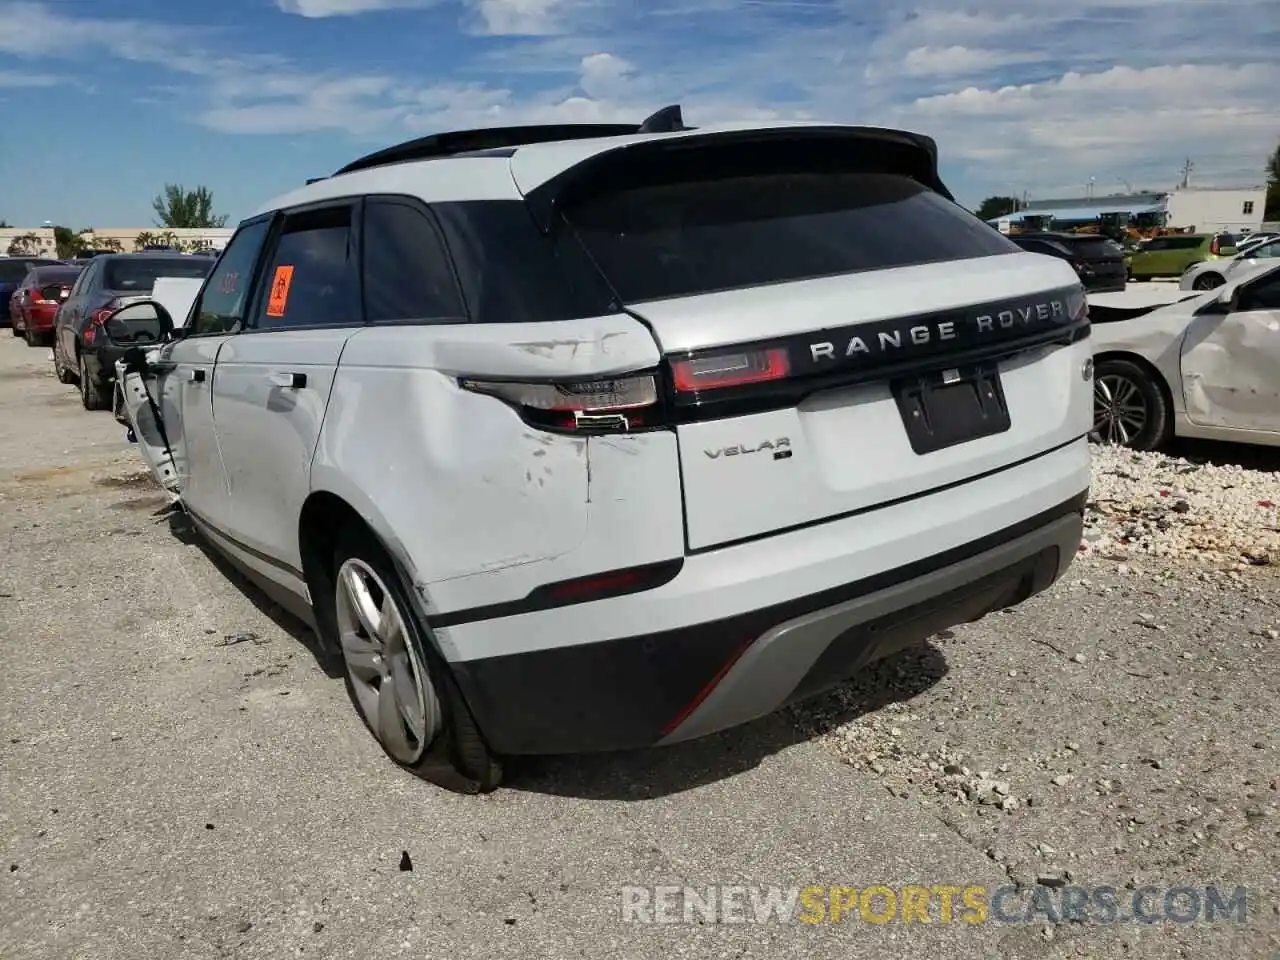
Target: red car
{"type": "Point", "coordinates": [35, 303]}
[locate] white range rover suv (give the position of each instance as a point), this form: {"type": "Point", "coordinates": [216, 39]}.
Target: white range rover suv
{"type": "Point", "coordinates": [587, 437]}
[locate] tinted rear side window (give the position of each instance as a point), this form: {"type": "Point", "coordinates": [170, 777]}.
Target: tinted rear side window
{"type": "Point", "coordinates": [407, 273]}
{"type": "Point", "coordinates": [684, 238]}
{"type": "Point", "coordinates": [1097, 249]}
{"type": "Point", "coordinates": [1182, 243]}
{"type": "Point", "coordinates": [139, 275]}
{"type": "Point", "coordinates": [511, 273]}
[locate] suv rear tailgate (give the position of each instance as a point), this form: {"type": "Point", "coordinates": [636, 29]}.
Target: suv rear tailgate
{"type": "Point", "coordinates": [845, 448]}
{"type": "Point", "coordinates": [837, 332]}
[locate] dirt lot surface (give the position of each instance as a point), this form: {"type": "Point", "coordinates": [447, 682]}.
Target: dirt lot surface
{"type": "Point", "coordinates": [166, 794]}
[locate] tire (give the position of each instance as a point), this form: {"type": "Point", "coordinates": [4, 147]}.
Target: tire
{"type": "Point", "coordinates": [62, 373]}
{"type": "Point", "coordinates": [1207, 281]}
{"type": "Point", "coordinates": [13, 328]}
{"type": "Point", "coordinates": [1129, 406]}
{"type": "Point", "coordinates": [90, 393]}
{"type": "Point", "coordinates": [33, 339]}
{"type": "Point", "coordinates": [445, 730]}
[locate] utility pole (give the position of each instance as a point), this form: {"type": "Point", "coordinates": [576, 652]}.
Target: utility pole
{"type": "Point", "coordinates": [1187, 167]}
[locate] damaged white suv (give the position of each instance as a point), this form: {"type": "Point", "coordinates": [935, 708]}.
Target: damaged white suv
{"type": "Point", "coordinates": [578, 438]}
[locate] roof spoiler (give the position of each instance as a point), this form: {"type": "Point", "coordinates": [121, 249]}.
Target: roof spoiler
{"type": "Point", "coordinates": [920, 154]}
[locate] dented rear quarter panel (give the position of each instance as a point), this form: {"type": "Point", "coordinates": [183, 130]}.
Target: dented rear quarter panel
{"type": "Point", "coordinates": [1155, 337]}
{"type": "Point", "coordinates": [455, 480]}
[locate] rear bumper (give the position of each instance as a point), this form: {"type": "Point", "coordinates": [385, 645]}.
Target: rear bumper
{"type": "Point", "coordinates": [664, 685]}
{"type": "Point", "coordinates": [39, 321]}
{"type": "Point", "coordinates": [1106, 284]}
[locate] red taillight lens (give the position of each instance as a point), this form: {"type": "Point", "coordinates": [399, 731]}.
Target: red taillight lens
{"type": "Point", "coordinates": [589, 587]}
{"type": "Point", "coordinates": [96, 321]}
{"type": "Point", "coordinates": [731, 369]}
{"type": "Point", "coordinates": [1215, 248]}
{"type": "Point", "coordinates": [594, 406]}
{"type": "Point", "coordinates": [614, 583]}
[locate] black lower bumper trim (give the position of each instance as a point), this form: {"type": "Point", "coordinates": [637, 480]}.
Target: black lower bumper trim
{"type": "Point", "coordinates": [622, 693]}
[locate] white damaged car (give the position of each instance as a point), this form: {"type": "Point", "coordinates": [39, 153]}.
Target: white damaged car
{"type": "Point", "coordinates": [591, 437]}
{"type": "Point", "coordinates": [1206, 367]}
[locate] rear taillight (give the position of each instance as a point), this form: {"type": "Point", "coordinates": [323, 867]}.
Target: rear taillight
{"type": "Point", "coordinates": [593, 406]}
{"type": "Point", "coordinates": [96, 321]}
{"type": "Point", "coordinates": [1215, 248]}
{"type": "Point", "coordinates": [736, 368]}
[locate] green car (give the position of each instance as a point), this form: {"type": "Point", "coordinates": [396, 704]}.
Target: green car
{"type": "Point", "coordinates": [1169, 256]}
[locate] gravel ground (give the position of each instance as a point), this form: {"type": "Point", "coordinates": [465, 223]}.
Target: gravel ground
{"type": "Point", "coordinates": [163, 794]}
{"type": "Point", "coordinates": [1120, 729]}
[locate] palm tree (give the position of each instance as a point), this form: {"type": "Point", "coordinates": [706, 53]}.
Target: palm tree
{"type": "Point", "coordinates": [182, 209]}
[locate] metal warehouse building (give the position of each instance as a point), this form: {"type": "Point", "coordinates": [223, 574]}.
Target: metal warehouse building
{"type": "Point", "coordinates": [1201, 209]}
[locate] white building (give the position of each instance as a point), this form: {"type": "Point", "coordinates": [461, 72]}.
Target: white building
{"type": "Point", "coordinates": [1197, 209]}
{"type": "Point", "coordinates": [1207, 209]}
{"type": "Point", "coordinates": [39, 240]}
{"type": "Point", "coordinates": [128, 239]}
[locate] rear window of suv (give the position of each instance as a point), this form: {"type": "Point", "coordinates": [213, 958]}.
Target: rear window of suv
{"type": "Point", "coordinates": [1097, 249]}
{"type": "Point", "coordinates": [684, 238]}
{"type": "Point", "coordinates": [139, 275]}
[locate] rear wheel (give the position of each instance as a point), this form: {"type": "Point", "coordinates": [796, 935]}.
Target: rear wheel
{"type": "Point", "coordinates": [91, 395]}
{"type": "Point", "coordinates": [33, 339]}
{"type": "Point", "coordinates": [61, 372]}
{"type": "Point", "coordinates": [1207, 281]}
{"type": "Point", "coordinates": [401, 688]}
{"type": "Point", "coordinates": [14, 328]}
{"type": "Point", "coordinates": [1129, 407]}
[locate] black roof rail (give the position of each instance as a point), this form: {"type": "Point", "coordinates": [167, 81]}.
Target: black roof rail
{"type": "Point", "coordinates": [478, 142]}
{"type": "Point", "coordinates": [471, 141]}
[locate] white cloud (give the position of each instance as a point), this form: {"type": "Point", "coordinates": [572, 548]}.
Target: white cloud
{"type": "Point", "coordinates": [957, 61]}
{"type": "Point", "coordinates": [527, 18]}
{"type": "Point", "coordinates": [1116, 124]}
{"type": "Point", "coordinates": [343, 8]}
{"type": "Point", "coordinates": [530, 18]}
{"type": "Point", "coordinates": [1019, 94]}
{"type": "Point", "coordinates": [604, 75]}
{"type": "Point", "coordinates": [19, 79]}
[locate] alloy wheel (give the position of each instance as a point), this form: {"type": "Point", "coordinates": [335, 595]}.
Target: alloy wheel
{"type": "Point", "coordinates": [388, 677]}
{"type": "Point", "coordinates": [1119, 409]}
{"type": "Point", "coordinates": [1210, 281]}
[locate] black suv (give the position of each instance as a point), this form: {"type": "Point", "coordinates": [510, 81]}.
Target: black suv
{"type": "Point", "coordinates": [1098, 261]}
{"type": "Point", "coordinates": [81, 353]}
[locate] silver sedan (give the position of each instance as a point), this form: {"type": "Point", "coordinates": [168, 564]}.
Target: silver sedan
{"type": "Point", "coordinates": [1210, 274]}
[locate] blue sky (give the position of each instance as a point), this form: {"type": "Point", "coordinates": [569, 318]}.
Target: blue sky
{"type": "Point", "coordinates": [104, 101]}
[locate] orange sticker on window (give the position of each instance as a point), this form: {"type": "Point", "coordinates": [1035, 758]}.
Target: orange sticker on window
{"type": "Point", "coordinates": [279, 291]}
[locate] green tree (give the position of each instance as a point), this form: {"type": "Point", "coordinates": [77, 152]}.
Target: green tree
{"type": "Point", "coordinates": [1273, 186]}
{"type": "Point", "coordinates": [26, 245]}
{"type": "Point", "coordinates": [181, 209]}
{"type": "Point", "coordinates": [68, 244]}
{"type": "Point", "coordinates": [993, 207]}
